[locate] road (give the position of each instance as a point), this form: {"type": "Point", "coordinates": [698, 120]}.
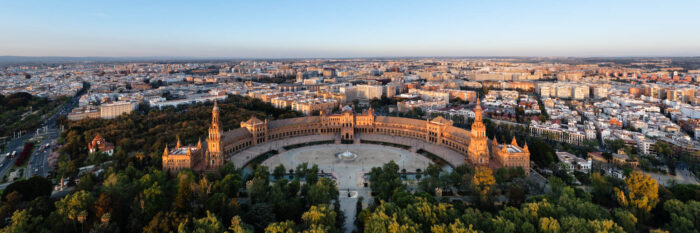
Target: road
{"type": "Point", "coordinates": [16, 144]}
{"type": "Point", "coordinates": [38, 164]}
{"type": "Point", "coordinates": [46, 133]}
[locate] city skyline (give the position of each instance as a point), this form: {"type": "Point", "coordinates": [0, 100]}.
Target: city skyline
{"type": "Point", "coordinates": [319, 116]}
{"type": "Point", "coordinates": [346, 30]}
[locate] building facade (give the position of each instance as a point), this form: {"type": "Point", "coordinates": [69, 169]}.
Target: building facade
{"type": "Point", "coordinates": [182, 157]}
{"type": "Point", "coordinates": [116, 109]}
{"type": "Point", "coordinates": [346, 125]}
{"type": "Point", "coordinates": [100, 144]}
{"type": "Point", "coordinates": [478, 147]}
{"type": "Point", "coordinates": [511, 155]}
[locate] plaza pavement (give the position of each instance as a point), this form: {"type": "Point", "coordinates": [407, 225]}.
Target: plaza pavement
{"type": "Point", "coordinates": [452, 157]}
{"type": "Point", "coordinates": [349, 174]}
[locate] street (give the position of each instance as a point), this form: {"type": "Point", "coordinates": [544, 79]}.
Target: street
{"type": "Point", "coordinates": [16, 144]}
{"type": "Point", "coordinates": [47, 133]}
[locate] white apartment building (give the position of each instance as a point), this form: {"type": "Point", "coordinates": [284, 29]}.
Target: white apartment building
{"type": "Point", "coordinates": [563, 91]}
{"type": "Point", "coordinates": [116, 109]}
{"type": "Point", "coordinates": [600, 92]}
{"type": "Point", "coordinates": [646, 147]}
{"type": "Point", "coordinates": [580, 92]}
{"type": "Point", "coordinates": [555, 132]}
{"type": "Point", "coordinates": [368, 92]}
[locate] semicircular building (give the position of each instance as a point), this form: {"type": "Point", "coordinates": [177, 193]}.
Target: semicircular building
{"type": "Point", "coordinates": [438, 136]}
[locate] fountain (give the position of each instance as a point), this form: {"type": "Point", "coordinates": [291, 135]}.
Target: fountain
{"type": "Point", "coordinates": [347, 155]}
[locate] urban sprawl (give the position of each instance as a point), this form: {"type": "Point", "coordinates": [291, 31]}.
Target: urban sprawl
{"type": "Point", "coordinates": [639, 101]}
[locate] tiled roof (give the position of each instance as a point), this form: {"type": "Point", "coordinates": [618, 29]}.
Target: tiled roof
{"type": "Point", "coordinates": [293, 121]}
{"type": "Point", "coordinates": [400, 120]}
{"type": "Point", "coordinates": [230, 135]}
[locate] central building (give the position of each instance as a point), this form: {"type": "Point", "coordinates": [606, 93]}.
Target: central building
{"type": "Point", "coordinates": [343, 126]}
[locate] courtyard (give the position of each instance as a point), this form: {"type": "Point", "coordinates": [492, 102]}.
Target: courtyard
{"type": "Point", "coordinates": [349, 171]}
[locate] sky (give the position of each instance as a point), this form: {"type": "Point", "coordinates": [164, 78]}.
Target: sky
{"type": "Point", "coordinates": [330, 28]}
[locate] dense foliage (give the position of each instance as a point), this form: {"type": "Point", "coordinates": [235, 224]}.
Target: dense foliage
{"type": "Point", "coordinates": [145, 199]}
{"type": "Point", "coordinates": [29, 189]}
{"type": "Point", "coordinates": [22, 111]}
{"type": "Point", "coordinates": [149, 130]}
{"type": "Point", "coordinates": [648, 207]}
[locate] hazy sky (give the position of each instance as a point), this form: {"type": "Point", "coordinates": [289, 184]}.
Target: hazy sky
{"type": "Point", "coordinates": [330, 28]}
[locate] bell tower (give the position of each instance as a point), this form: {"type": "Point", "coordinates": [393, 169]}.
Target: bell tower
{"type": "Point", "coordinates": [214, 158]}
{"type": "Point", "coordinates": [478, 150]}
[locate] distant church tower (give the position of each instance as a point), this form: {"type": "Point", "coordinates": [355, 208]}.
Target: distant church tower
{"type": "Point", "coordinates": [478, 150]}
{"type": "Point", "coordinates": [214, 158]}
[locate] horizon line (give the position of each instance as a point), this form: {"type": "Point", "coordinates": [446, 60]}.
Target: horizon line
{"type": "Point", "coordinates": [352, 57]}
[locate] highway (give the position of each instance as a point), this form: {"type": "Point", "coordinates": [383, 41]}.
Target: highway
{"type": "Point", "coordinates": [47, 133]}
{"type": "Point", "coordinates": [16, 144]}
{"type": "Point", "coordinates": [38, 164]}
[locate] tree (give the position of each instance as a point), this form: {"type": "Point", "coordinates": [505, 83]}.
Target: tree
{"type": "Point", "coordinates": [614, 145]}
{"type": "Point", "coordinates": [459, 227]}
{"type": "Point", "coordinates": [153, 199]}
{"type": "Point", "coordinates": [230, 184]}
{"type": "Point", "coordinates": [385, 180]}
{"type": "Point", "coordinates": [105, 227]}
{"type": "Point", "coordinates": [516, 195]}
{"type": "Point", "coordinates": [626, 219]}
{"type": "Point", "coordinates": [379, 221]}
{"type": "Point", "coordinates": [527, 227]}
{"type": "Point", "coordinates": [29, 189]}
{"type": "Point", "coordinates": [164, 222]}
{"type": "Point", "coordinates": [207, 224]}
{"type": "Point", "coordinates": [504, 174]}
{"type": "Point", "coordinates": [541, 153]}
{"type": "Point", "coordinates": [685, 192]}
{"type": "Point", "coordinates": [74, 204]}
{"type": "Point", "coordinates": [664, 149]}
{"type": "Point", "coordinates": [642, 193]}
{"type": "Point", "coordinates": [320, 217]}
{"type": "Point", "coordinates": [604, 226]}
{"type": "Point", "coordinates": [184, 195]}
{"type": "Point", "coordinates": [322, 192]}
{"type": "Point", "coordinates": [483, 180]}
{"type": "Point", "coordinates": [549, 225]}
{"type": "Point", "coordinates": [14, 199]}
{"type": "Point", "coordinates": [103, 205]}
{"type": "Point", "coordinates": [280, 227]}
{"type": "Point", "coordinates": [20, 222]}
{"type": "Point", "coordinates": [87, 182]}
{"type": "Point", "coordinates": [684, 216]}
{"type": "Point", "coordinates": [260, 215]}
{"type": "Point", "coordinates": [117, 186]}
{"type": "Point", "coordinates": [56, 223]}
{"type": "Point", "coordinates": [237, 226]}
{"type": "Point", "coordinates": [608, 156]}
{"type": "Point", "coordinates": [40, 206]}
{"type": "Point", "coordinates": [602, 190]}
{"type": "Point", "coordinates": [279, 171]}
{"type": "Point", "coordinates": [228, 168]}
{"type": "Point", "coordinates": [456, 227]}
{"type": "Point", "coordinates": [257, 189]}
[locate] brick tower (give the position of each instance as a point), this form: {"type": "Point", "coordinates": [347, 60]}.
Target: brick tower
{"type": "Point", "coordinates": [214, 158]}
{"type": "Point", "coordinates": [478, 150]}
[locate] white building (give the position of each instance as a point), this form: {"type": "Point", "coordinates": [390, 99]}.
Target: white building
{"type": "Point", "coordinates": [573, 163]}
